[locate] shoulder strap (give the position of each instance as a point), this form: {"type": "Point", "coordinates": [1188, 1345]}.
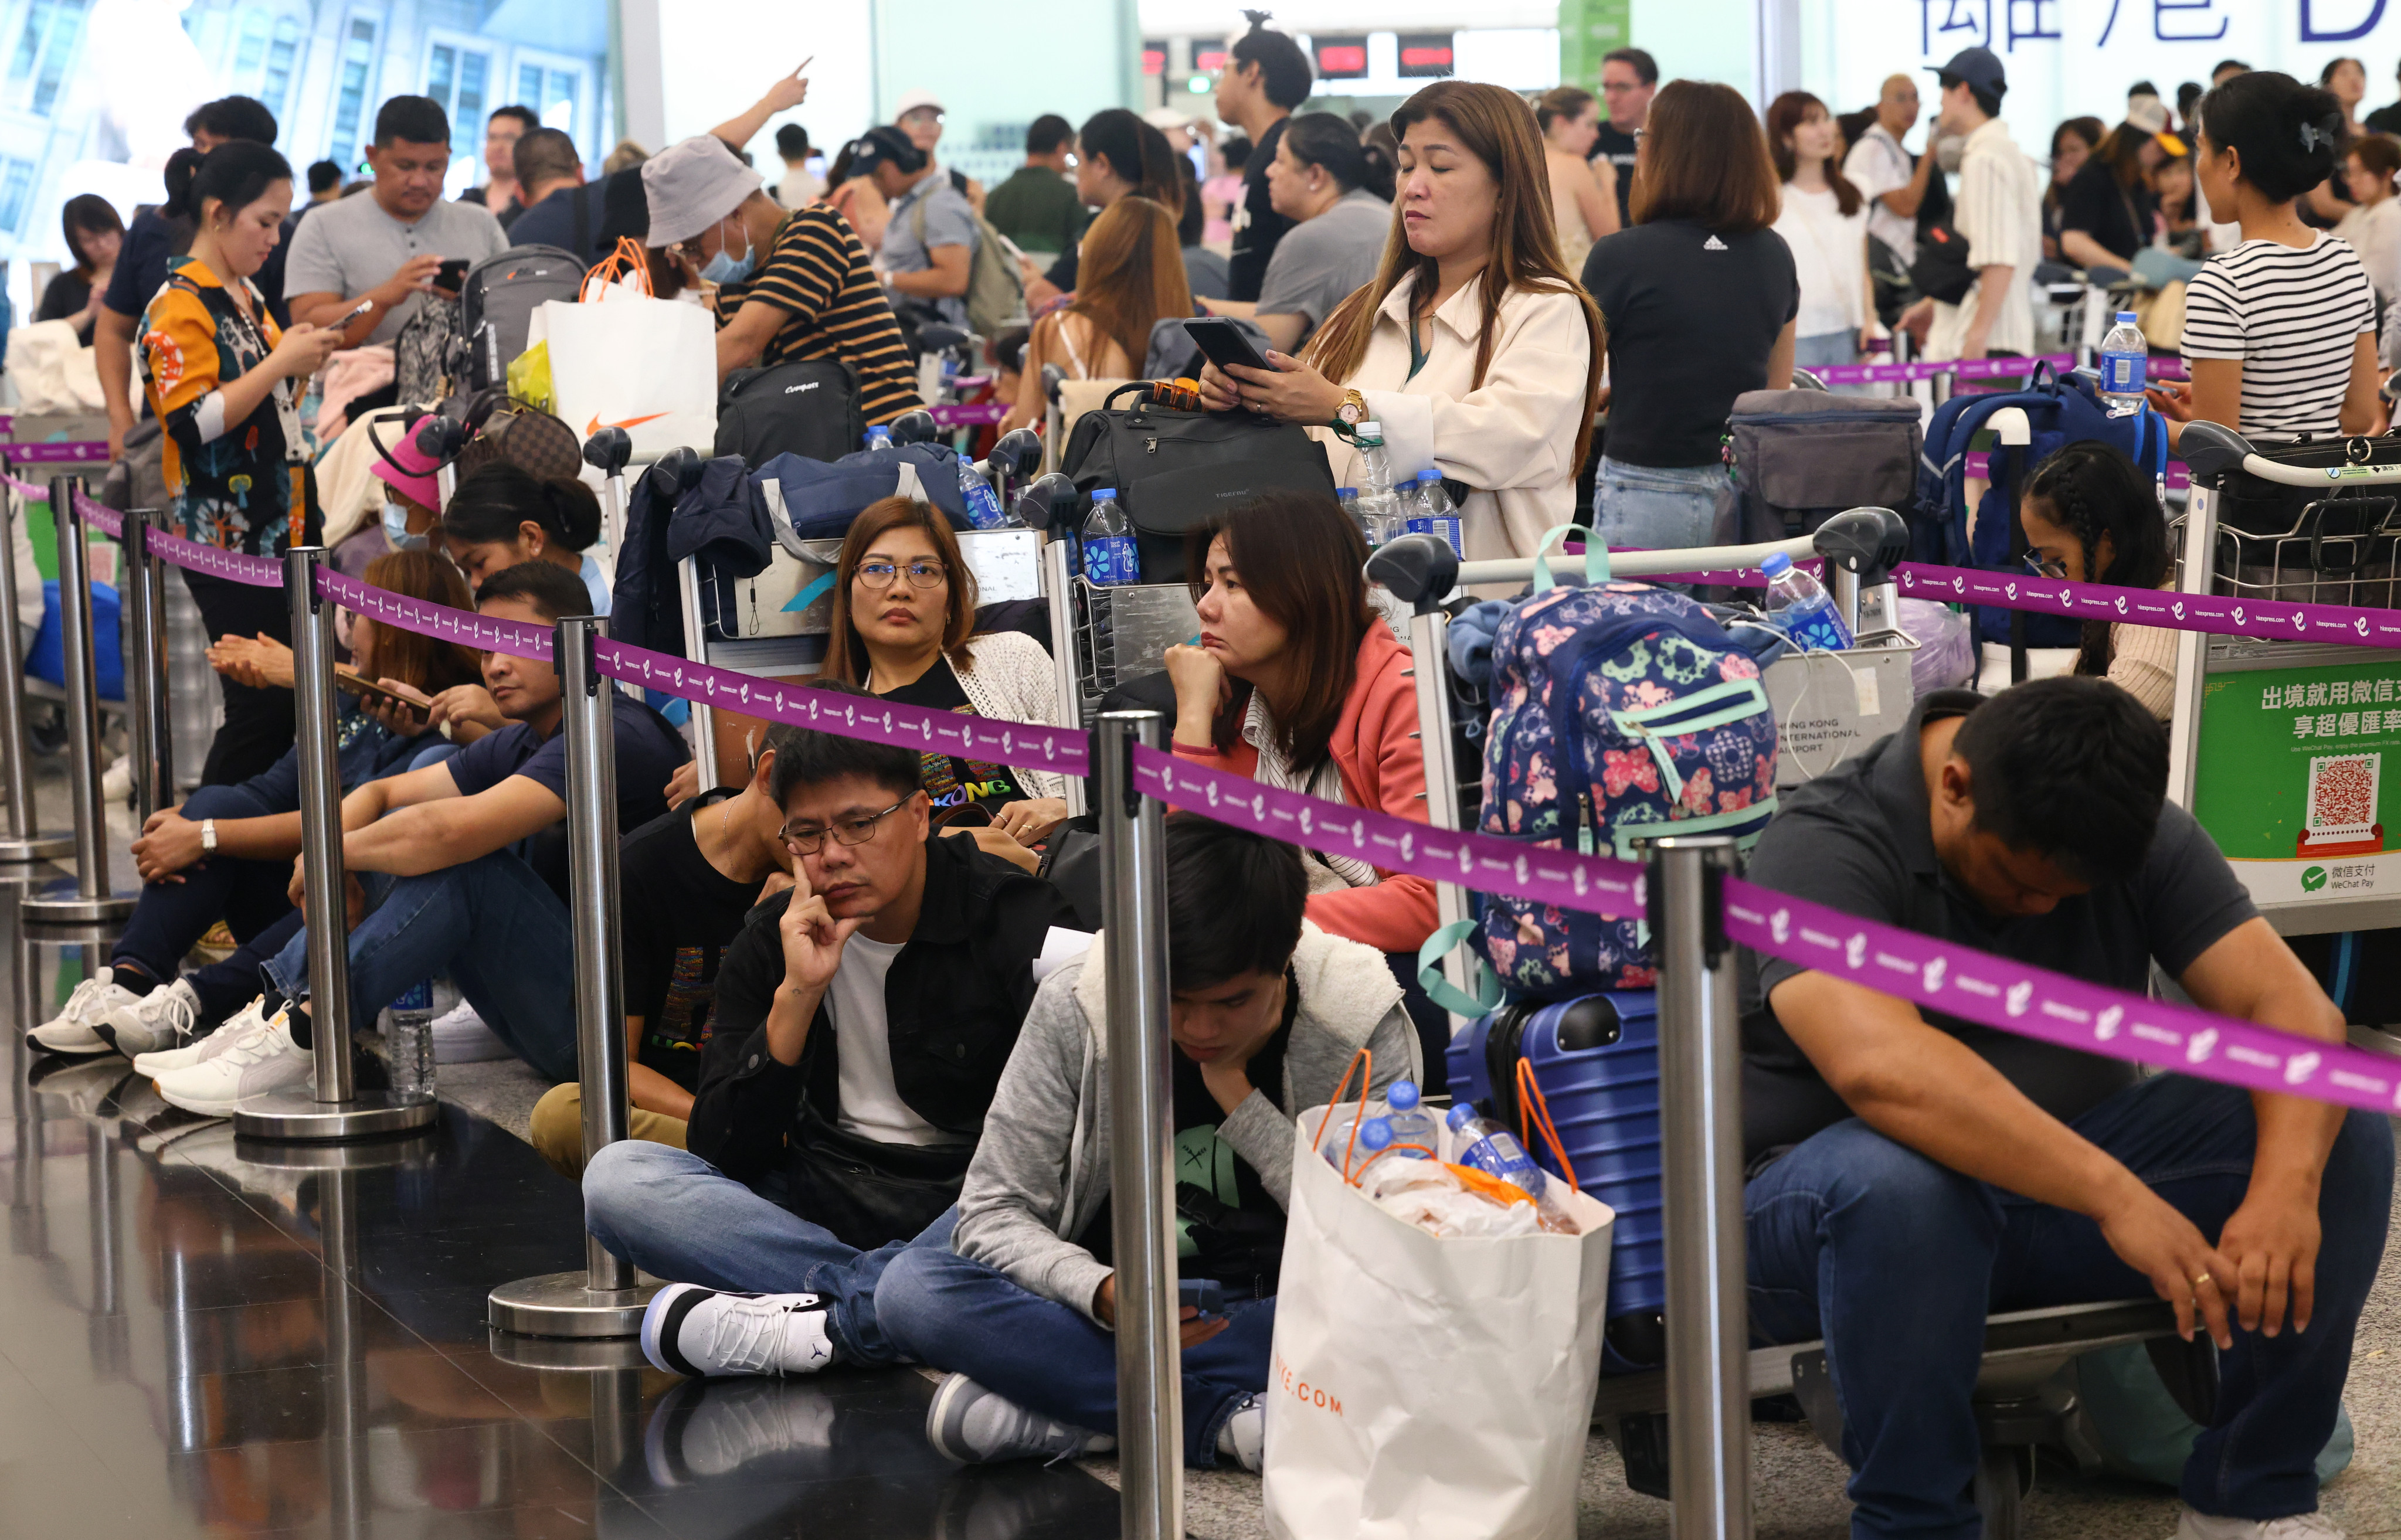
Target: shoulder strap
{"type": "Point", "coordinates": [581, 201]}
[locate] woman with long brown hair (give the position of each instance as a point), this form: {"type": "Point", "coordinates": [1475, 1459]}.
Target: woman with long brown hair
{"type": "Point", "coordinates": [1824, 221]}
{"type": "Point", "coordinates": [1584, 191]}
{"type": "Point", "coordinates": [1473, 351]}
{"type": "Point", "coordinates": [226, 852]}
{"type": "Point", "coordinates": [1297, 683]}
{"type": "Point", "coordinates": [1131, 274]}
{"type": "Point", "coordinates": [904, 628]}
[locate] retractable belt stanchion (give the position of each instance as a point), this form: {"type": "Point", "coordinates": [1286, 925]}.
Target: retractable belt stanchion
{"type": "Point", "coordinates": [606, 1296]}
{"type": "Point", "coordinates": [24, 841]}
{"type": "Point", "coordinates": [143, 606]}
{"type": "Point", "coordinates": [1133, 894]}
{"type": "Point", "coordinates": [87, 899]}
{"type": "Point", "coordinates": [1700, 1126]}
{"type": "Point", "coordinates": [334, 1107]}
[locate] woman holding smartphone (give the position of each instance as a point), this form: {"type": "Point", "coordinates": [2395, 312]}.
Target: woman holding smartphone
{"type": "Point", "coordinates": [225, 382]}
{"type": "Point", "coordinates": [226, 852]}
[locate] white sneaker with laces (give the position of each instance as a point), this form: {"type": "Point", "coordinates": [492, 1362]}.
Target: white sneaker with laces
{"type": "Point", "coordinates": [264, 1058]}
{"type": "Point", "coordinates": [1244, 1437]}
{"type": "Point", "coordinates": [460, 1037]}
{"type": "Point", "coordinates": [2299, 1526]}
{"type": "Point", "coordinates": [72, 1030]}
{"type": "Point", "coordinates": [972, 1424]}
{"type": "Point", "coordinates": [163, 1018]}
{"type": "Point", "coordinates": [164, 1061]}
{"type": "Point", "coordinates": [688, 1329]}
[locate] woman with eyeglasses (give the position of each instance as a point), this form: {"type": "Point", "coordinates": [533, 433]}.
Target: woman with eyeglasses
{"type": "Point", "coordinates": [2092, 516]}
{"type": "Point", "coordinates": [903, 629]}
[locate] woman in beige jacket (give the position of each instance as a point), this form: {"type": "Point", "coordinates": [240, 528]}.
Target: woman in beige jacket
{"type": "Point", "coordinates": [1474, 349]}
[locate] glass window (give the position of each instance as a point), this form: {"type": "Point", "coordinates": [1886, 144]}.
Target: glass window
{"type": "Point", "coordinates": [441, 65]}
{"type": "Point", "coordinates": [529, 86]}
{"type": "Point", "coordinates": [58, 52]}
{"type": "Point", "coordinates": [29, 41]}
{"type": "Point", "coordinates": [16, 181]}
{"type": "Point", "coordinates": [350, 101]}
{"type": "Point", "coordinates": [282, 55]}
{"type": "Point", "coordinates": [251, 45]}
{"type": "Point", "coordinates": [564, 87]}
{"type": "Point", "coordinates": [466, 123]}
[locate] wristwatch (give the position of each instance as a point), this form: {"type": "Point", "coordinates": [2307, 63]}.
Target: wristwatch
{"type": "Point", "coordinates": [1353, 410]}
{"type": "Point", "coordinates": [208, 836]}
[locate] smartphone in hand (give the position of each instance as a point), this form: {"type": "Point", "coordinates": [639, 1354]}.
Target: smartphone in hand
{"type": "Point", "coordinates": [1222, 343]}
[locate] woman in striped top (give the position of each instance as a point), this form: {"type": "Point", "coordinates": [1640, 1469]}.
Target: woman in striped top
{"type": "Point", "coordinates": [2279, 333]}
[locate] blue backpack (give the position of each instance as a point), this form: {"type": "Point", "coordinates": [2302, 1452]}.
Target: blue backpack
{"type": "Point", "coordinates": [2060, 410]}
{"type": "Point", "coordinates": [1619, 710]}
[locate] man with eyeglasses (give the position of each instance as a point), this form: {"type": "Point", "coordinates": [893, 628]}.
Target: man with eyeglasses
{"type": "Point", "coordinates": [863, 1019]}
{"type": "Point", "coordinates": [1629, 79]}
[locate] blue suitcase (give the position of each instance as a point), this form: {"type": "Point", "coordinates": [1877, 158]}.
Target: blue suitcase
{"type": "Point", "coordinates": [1597, 1059]}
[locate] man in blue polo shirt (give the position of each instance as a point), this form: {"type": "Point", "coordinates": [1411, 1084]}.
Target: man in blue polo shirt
{"type": "Point", "coordinates": [466, 874]}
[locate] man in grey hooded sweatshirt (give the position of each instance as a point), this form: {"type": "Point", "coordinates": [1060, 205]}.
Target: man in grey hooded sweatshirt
{"type": "Point", "coordinates": [1266, 1014]}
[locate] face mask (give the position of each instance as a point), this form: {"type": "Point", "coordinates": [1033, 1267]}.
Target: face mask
{"type": "Point", "coordinates": [395, 529]}
{"type": "Point", "coordinates": [724, 268]}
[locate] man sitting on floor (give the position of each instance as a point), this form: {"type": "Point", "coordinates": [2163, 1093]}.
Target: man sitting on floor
{"type": "Point", "coordinates": [1914, 1172]}
{"type": "Point", "coordinates": [1267, 1012]}
{"type": "Point", "coordinates": [687, 883]}
{"type": "Point", "coordinates": [448, 889]}
{"type": "Point", "coordinates": [863, 1019]}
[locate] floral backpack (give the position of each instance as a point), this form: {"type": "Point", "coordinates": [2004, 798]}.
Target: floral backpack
{"type": "Point", "coordinates": [1619, 711]}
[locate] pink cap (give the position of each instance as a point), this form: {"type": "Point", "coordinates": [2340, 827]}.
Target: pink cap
{"type": "Point", "coordinates": [414, 478]}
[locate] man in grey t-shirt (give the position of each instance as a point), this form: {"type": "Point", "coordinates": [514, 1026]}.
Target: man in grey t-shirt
{"type": "Point", "coordinates": [931, 239]}
{"type": "Point", "coordinates": [1319, 262]}
{"type": "Point", "coordinates": [388, 244]}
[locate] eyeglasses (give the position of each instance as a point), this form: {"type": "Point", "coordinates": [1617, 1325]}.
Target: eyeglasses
{"type": "Point", "coordinates": [879, 575]}
{"type": "Point", "coordinates": [2040, 568]}
{"type": "Point", "coordinates": [849, 831]}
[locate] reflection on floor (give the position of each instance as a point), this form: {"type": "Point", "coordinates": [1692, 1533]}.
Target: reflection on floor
{"type": "Point", "coordinates": [201, 1337]}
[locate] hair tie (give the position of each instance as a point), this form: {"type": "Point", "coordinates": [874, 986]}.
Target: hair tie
{"type": "Point", "coordinates": [2312, 136]}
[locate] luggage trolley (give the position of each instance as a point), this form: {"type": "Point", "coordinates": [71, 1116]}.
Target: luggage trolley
{"type": "Point", "coordinates": [2300, 818]}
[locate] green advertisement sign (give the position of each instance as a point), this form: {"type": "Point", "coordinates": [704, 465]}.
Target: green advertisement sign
{"type": "Point", "coordinates": [2298, 778]}
{"type": "Point", "coordinates": [1589, 29]}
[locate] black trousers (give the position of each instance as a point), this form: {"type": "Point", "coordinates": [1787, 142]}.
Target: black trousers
{"type": "Point", "coordinates": [260, 724]}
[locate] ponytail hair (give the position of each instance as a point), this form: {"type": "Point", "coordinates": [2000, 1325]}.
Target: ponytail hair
{"type": "Point", "coordinates": [237, 174]}
{"type": "Point", "coordinates": [488, 505]}
{"type": "Point", "coordinates": [2090, 489]}
{"type": "Point", "coordinates": [2290, 136]}
{"type": "Point", "coordinates": [1137, 153]}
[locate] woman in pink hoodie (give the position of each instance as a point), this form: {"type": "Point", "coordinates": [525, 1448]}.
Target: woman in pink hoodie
{"type": "Point", "coordinates": [1298, 683]}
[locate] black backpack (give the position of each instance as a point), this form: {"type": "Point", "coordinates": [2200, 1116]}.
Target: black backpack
{"type": "Point", "coordinates": [496, 305]}
{"type": "Point", "coordinates": [807, 407]}
{"type": "Point", "coordinates": [1172, 467]}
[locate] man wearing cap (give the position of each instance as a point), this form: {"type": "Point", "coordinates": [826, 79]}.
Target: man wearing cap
{"type": "Point", "coordinates": [919, 115]}
{"type": "Point", "coordinates": [1998, 213]}
{"type": "Point", "coordinates": [929, 237]}
{"type": "Point", "coordinates": [2107, 214]}
{"type": "Point", "coordinates": [784, 285]}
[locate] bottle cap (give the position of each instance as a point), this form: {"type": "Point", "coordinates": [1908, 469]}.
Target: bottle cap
{"type": "Point", "coordinates": [2128, 318]}
{"type": "Point", "coordinates": [1375, 1134]}
{"type": "Point", "coordinates": [1401, 1095]}
{"type": "Point", "coordinates": [1103, 494]}
{"type": "Point", "coordinates": [1429, 475]}
{"type": "Point", "coordinates": [1777, 565]}
{"type": "Point", "coordinates": [1371, 429]}
{"type": "Point", "coordinates": [1346, 491]}
{"type": "Point", "coordinates": [1458, 1116]}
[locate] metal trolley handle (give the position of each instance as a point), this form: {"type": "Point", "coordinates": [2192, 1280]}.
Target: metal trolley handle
{"type": "Point", "coordinates": [2213, 450]}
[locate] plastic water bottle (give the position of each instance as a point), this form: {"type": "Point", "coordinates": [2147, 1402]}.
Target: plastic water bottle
{"type": "Point", "coordinates": [1380, 509]}
{"type": "Point", "coordinates": [1488, 1147]}
{"type": "Point", "coordinates": [1110, 559]}
{"type": "Point", "coordinates": [408, 1038]}
{"type": "Point", "coordinates": [1349, 499]}
{"type": "Point", "coordinates": [1378, 1137]}
{"type": "Point", "coordinates": [1408, 1121]}
{"type": "Point", "coordinates": [1431, 514]}
{"type": "Point", "coordinates": [1804, 611]}
{"type": "Point", "coordinates": [879, 437]}
{"type": "Point", "coordinates": [2126, 365]}
{"type": "Point", "coordinates": [983, 505]}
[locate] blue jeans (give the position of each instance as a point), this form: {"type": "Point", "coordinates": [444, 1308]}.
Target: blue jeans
{"type": "Point", "coordinates": [492, 925]}
{"type": "Point", "coordinates": [1656, 507]}
{"type": "Point", "coordinates": [248, 895]}
{"type": "Point", "coordinates": [1896, 1261]}
{"type": "Point", "coordinates": [969, 1317]}
{"type": "Point", "coordinates": [675, 1215]}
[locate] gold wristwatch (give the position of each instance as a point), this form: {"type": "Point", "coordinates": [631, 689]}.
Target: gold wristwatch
{"type": "Point", "coordinates": [1353, 410]}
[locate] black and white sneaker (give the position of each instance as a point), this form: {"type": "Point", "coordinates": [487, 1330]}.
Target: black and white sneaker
{"type": "Point", "coordinates": [688, 1329]}
{"type": "Point", "coordinates": [972, 1424]}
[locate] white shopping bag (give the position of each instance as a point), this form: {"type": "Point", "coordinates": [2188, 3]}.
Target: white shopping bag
{"type": "Point", "coordinates": [1428, 1387]}
{"type": "Point", "coordinates": [646, 365]}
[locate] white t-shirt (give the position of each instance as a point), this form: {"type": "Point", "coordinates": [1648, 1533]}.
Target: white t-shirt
{"type": "Point", "coordinates": [872, 1108]}
{"type": "Point", "coordinates": [1830, 253]}
{"type": "Point", "coordinates": [1878, 164]}
{"type": "Point", "coordinates": [798, 189]}
{"type": "Point", "coordinates": [2375, 233]}
{"type": "Point", "coordinates": [2292, 316]}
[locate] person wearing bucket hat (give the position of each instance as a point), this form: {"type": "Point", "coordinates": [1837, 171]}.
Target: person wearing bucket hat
{"type": "Point", "coordinates": [783, 285]}
{"type": "Point", "coordinates": [2105, 216]}
{"type": "Point", "coordinates": [412, 504]}
{"type": "Point", "coordinates": [1999, 212]}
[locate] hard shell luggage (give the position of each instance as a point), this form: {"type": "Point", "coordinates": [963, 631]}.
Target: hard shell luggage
{"type": "Point", "coordinates": [496, 305]}
{"type": "Point", "coordinates": [1597, 1059]}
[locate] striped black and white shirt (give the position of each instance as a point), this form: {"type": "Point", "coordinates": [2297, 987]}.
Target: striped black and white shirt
{"type": "Point", "coordinates": [2291, 316]}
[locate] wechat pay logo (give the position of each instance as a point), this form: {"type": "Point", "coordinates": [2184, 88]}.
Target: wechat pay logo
{"type": "Point", "coordinates": [2313, 878]}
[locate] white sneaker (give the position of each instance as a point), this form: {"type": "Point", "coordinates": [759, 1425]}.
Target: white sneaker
{"type": "Point", "coordinates": [2299, 1526]}
{"type": "Point", "coordinates": [688, 1329]}
{"type": "Point", "coordinates": [264, 1058]}
{"type": "Point", "coordinates": [460, 1037]}
{"type": "Point", "coordinates": [1243, 1439]}
{"type": "Point", "coordinates": [166, 1062]}
{"type": "Point", "coordinates": [72, 1029]}
{"type": "Point", "coordinates": [163, 1018]}
{"type": "Point", "coordinates": [972, 1424]}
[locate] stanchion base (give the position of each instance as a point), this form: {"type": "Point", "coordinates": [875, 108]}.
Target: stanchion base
{"type": "Point", "coordinates": [582, 1355]}
{"type": "Point", "coordinates": [558, 1304]}
{"type": "Point", "coordinates": [61, 903]}
{"type": "Point", "coordinates": [295, 1113]}
{"type": "Point", "coordinates": [2377, 1040]}
{"type": "Point", "coordinates": [39, 846]}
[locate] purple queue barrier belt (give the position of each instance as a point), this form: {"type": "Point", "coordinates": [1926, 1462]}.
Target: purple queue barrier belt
{"type": "Point", "coordinates": [2274, 619]}
{"type": "Point", "coordinates": [72, 452]}
{"type": "Point", "coordinates": [1979, 469]}
{"type": "Point", "coordinates": [108, 521]}
{"type": "Point", "coordinates": [976, 415]}
{"type": "Point", "coordinates": [1968, 369]}
{"type": "Point", "coordinates": [26, 490]}
{"type": "Point", "coordinates": [463, 626]}
{"type": "Point", "coordinates": [2050, 1007]}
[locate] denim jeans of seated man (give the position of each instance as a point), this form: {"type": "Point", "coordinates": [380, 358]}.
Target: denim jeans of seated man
{"type": "Point", "coordinates": [491, 924]}
{"type": "Point", "coordinates": [969, 1317]}
{"type": "Point", "coordinates": [248, 895]}
{"type": "Point", "coordinates": [1896, 1261]}
{"type": "Point", "coordinates": [1656, 507]}
{"type": "Point", "coordinates": [675, 1215]}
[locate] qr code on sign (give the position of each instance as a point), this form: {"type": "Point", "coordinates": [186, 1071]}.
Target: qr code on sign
{"type": "Point", "coordinates": [2342, 794]}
